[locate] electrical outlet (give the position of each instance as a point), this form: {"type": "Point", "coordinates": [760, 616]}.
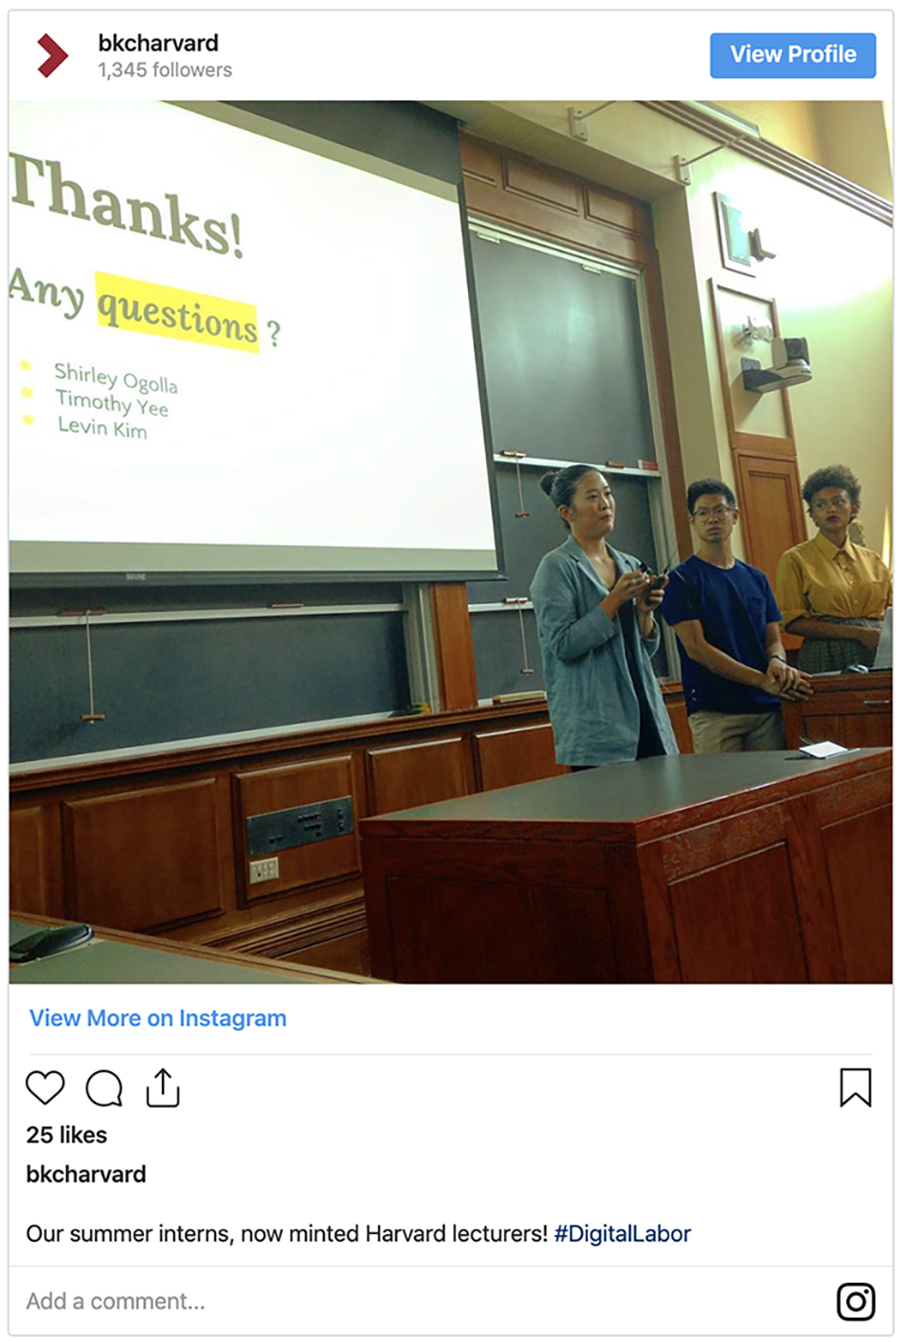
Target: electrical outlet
{"type": "Point", "coordinates": [264, 870]}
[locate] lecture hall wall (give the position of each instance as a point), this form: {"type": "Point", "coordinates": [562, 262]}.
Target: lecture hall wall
{"type": "Point", "coordinates": [831, 277]}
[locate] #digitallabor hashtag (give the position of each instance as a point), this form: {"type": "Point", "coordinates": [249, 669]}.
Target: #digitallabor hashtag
{"type": "Point", "coordinates": [629, 1234]}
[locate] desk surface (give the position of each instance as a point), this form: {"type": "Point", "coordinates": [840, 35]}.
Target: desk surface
{"type": "Point", "coordinates": [691, 869]}
{"type": "Point", "coordinates": [121, 957]}
{"type": "Point", "coordinates": [617, 794]}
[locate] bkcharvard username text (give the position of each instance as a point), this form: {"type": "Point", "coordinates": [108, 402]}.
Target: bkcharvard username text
{"type": "Point", "coordinates": [116, 42]}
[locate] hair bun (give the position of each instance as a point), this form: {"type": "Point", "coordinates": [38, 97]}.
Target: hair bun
{"type": "Point", "coordinates": [546, 481]}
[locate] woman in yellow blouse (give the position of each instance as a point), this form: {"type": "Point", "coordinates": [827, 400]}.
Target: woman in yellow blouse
{"type": "Point", "coordinates": [830, 591]}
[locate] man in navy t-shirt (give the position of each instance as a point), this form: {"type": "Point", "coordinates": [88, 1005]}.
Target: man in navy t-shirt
{"type": "Point", "coordinates": [732, 660]}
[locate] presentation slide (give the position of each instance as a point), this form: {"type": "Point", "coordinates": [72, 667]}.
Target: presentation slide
{"type": "Point", "coordinates": [235, 353]}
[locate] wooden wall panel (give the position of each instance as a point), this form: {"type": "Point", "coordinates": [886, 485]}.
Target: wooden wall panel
{"type": "Point", "coordinates": [772, 509]}
{"type": "Point", "coordinates": [678, 716]}
{"type": "Point", "coordinates": [258, 791]}
{"type": "Point", "coordinates": [632, 216]}
{"type": "Point", "coordinates": [557, 189]}
{"type": "Point", "coordinates": [740, 924]}
{"type": "Point", "coordinates": [862, 898]}
{"type": "Point", "coordinates": [520, 191]}
{"type": "Point", "coordinates": [665, 380]}
{"type": "Point", "coordinates": [152, 841]}
{"type": "Point", "coordinates": [417, 774]}
{"type": "Point", "coordinates": [332, 916]}
{"type": "Point", "coordinates": [348, 954]}
{"type": "Point", "coordinates": [35, 861]}
{"type": "Point", "coordinates": [457, 678]}
{"type": "Point", "coordinates": [516, 755]}
{"type": "Point", "coordinates": [461, 932]}
{"type": "Point", "coordinates": [151, 857]}
{"type": "Point", "coordinates": [482, 162]}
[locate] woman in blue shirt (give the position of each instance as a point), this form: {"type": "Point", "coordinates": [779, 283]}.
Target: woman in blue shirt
{"type": "Point", "coordinates": [597, 631]}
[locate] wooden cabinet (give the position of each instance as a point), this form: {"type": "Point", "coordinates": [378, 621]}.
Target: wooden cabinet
{"type": "Point", "coordinates": [151, 857]}
{"type": "Point", "coordinates": [418, 772]}
{"type": "Point", "coordinates": [35, 860]}
{"type": "Point", "coordinates": [261, 791]}
{"type": "Point", "coordinates": [854, 711]}
{"type": "Point", "coordinates": [158, 843]}
{"type": "Point", "coordinates": [681, 869]}
{"type": "Point", "coordinates": [516, 755]}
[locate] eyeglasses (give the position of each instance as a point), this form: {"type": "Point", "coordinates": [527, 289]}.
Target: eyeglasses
{"type": "Point", "coordinates": [823, 505]}
{"type": "Point", "coordinates": [720, 511]}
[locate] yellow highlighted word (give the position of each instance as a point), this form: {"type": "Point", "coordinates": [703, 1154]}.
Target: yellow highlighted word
{"type": "Point", "coordinates": [176, 314]}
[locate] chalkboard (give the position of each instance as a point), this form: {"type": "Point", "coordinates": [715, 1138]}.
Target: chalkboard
{"type": "Point", "coordinates": [566, 381]}
{"type": "Point", "coordinates": [170, 680]}
{"type": "Point", "coordinates": [563, 356]}
{"type": "Point", "coordinates": [527, 539]}
{"type": "Point", "coordinates": [175, 680]}
{"type": "Point", "coordinates": [503, 666]}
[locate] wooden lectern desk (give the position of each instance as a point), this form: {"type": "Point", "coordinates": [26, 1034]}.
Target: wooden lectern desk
{"type": "Point", "coordinates": [852, 710]}
{"type": "Point", "coordinates": [750, 868]}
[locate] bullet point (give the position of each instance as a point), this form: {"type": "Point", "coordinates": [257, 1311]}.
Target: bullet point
{"type": "Point", "coordinates": [24, 365]}
{"type": "Point", "coordinates": [28, 419]}
{"type": "Point", "coordinates": [26, 391]}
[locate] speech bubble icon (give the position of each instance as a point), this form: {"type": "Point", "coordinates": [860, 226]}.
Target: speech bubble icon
{"type": "Point", "coordinates": [104, 1088]}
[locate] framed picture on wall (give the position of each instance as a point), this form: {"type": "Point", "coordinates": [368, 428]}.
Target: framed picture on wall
{"type": "Point", "coordinates": [734, 238]}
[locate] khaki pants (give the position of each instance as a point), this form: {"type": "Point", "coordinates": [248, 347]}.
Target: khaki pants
{"type": "Point", "coordinates": [728, 733]}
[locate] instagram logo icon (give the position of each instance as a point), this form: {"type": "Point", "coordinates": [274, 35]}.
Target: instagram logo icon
{"type": "Point", "coordinates": [856, 1301]}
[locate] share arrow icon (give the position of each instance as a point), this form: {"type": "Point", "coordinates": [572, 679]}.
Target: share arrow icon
{"type": "Point", "coordinates": [164, 1100]}
{"type": "Point", "coordinates": [55, 55]}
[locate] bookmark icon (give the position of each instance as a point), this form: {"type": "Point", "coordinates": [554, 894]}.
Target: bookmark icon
{"type": "Point", "coordinates": [856, 1084]}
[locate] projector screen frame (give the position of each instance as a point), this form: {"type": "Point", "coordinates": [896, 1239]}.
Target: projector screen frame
{"type": "Point", "coordinates": [146, 578]}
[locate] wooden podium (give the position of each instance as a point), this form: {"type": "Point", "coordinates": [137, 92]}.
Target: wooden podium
{"type": "Point", "coordinates": [854, 710]}
{"type": "Point", "coordinates": [750, 868]}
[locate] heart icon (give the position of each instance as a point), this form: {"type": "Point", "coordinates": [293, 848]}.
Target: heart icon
{"type": "Point", "coordinates": [44, 1086]}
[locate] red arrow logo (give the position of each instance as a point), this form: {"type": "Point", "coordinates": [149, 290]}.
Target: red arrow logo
{"type": "Point", "coordinates": [55, 53]}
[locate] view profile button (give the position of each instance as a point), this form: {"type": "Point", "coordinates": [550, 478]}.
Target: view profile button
{"type": "Point", "coordinates": [792, 55]}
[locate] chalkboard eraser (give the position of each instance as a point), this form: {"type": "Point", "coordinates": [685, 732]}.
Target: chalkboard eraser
{"type": "Point", "coordinates": [285, 605]}
{"type": "Point", "coordinates": [70, 614]}
{"type": "Point", "coordinates": [414, 710]}
{"type": "Point", "coordinates": [616, 465]}
{"type": "Point", "coordinates": [519, 698]}
{"type": "Point", "coordinates": [648, 465]}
